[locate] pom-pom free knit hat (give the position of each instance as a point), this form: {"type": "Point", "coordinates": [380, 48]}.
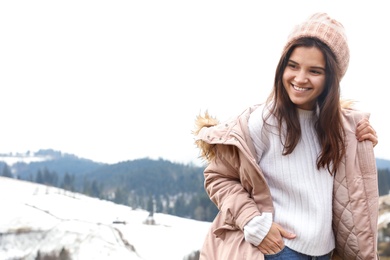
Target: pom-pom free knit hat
{"type": "Point", "coordinates": [329, 31]}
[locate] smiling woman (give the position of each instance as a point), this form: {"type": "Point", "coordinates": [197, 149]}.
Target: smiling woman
{"type": "Point", "coordinates": [277, 172]}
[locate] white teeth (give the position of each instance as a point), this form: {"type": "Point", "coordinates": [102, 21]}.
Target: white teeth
{"type": "Point", "coordinates": [298, 88]}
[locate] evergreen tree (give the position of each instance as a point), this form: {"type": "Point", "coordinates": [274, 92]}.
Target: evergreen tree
{"type": "Point", "coordinates": [38, 256]}
{"type": "Point", "coordinates": [39, 178]}
{"type": "Point", "coordinates": [120, 196]}
{"type": "Point", "coordinates": [50, 178]}
{"type": "Point", "coordinates": [95, 189]}
{"type": "Point", "coordinates": [64, 254]}
{"type": "Point", "coordinates": [180, 206]}
{"type": "Point", "coordinates": [150, 205]}
{"type": "Point", "coordinates": [384, 181]}
{"type": "Point", "coordinates": [87, 190]}
{"type": "Point", "coordinates": [6, 171]}
{"type": "Point", "coordinates": [68, 182]}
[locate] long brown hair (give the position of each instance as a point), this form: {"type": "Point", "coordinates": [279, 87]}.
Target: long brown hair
{"type": "Point", "coordinates": [328, 126]}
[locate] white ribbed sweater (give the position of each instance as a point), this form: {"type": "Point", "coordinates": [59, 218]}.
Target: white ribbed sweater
{"type": "Point", "coordinates": [302, 194]}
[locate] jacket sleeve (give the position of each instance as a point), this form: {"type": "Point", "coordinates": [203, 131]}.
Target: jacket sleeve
{"type": "Point", "coordinates": [222, 183]}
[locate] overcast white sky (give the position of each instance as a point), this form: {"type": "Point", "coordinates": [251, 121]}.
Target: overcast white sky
{"type": "Point", "coordinates": [121, 80]}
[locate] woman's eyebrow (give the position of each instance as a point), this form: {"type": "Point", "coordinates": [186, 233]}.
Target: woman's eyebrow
{"type": "Point", "coordinates": [318, 68]}
{"type": "Point", "coordinates": [313, 67]}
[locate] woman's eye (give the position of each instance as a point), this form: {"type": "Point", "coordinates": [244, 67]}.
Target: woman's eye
{"type": "Point", "coordinates": [293, 66]}
{"type": "Point", "coordinates": [316, 72]}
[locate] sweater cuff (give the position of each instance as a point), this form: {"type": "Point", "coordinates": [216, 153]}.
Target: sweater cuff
{"type": "Point", "coordinates": [257, 228]}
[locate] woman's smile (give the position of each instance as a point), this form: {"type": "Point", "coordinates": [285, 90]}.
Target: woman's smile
{"type": "Point", "coordinates": [299, 89]}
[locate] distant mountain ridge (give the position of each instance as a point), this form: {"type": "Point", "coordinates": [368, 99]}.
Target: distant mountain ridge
{"type": "Point", "coordinates": [158, 185]}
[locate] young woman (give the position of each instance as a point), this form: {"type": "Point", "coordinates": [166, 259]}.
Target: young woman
{"type": "Point", "coordinates": [293, 178]}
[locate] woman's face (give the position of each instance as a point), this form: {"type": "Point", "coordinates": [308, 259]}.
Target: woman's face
{"type": "Point", "coordinates": [304, 76]}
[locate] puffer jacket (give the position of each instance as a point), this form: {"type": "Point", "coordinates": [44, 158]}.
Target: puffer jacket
{"type": "Point", "coordinates": [236, 184]}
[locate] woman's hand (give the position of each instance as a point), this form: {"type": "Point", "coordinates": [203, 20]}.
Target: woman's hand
{"type": "Point", "coordinates": [273, 241]}
{"type": "Point", "coordinates": [364, 131]}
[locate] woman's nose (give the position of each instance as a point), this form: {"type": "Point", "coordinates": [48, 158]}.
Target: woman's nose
{"type": "Point", "coordinates": [301, 77]}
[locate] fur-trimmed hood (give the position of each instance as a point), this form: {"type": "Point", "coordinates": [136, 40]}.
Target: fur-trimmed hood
{"type": "Point", "coordinates": [209, 131]}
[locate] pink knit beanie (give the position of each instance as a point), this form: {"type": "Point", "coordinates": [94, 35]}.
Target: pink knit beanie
{"type": "Point", "coordinates": [329, 31]}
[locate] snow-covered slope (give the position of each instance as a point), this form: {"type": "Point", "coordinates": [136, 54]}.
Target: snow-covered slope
{"type": "Point", "coordinates": [36, 217]}
{"type": "Point", "coordinates": [40, 218]}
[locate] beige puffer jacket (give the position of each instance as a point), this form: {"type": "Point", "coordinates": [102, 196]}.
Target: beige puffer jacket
{"type": "Point", "coordinates": [235, 183]}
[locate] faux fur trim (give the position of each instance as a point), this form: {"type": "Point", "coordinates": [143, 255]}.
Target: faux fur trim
{"type": "Point", "coordinates": [207, 152]}
{"type": "Point", "coordinates": [347, 103]}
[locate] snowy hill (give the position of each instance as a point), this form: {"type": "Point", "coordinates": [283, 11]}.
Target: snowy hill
{"type": "Point", "coordinates": [40, 218]}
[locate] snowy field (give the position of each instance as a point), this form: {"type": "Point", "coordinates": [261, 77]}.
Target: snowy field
{"type": "Point", "coordinates": [36, 217]}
